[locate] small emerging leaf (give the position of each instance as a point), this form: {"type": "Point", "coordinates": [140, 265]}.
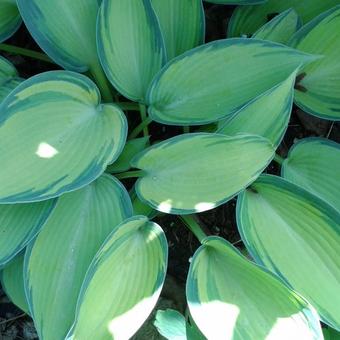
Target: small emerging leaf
{"type": "Point", "coordinates": [171, 324]}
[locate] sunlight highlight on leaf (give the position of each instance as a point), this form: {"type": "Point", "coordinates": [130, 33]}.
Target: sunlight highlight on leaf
{"type": "Point", "coordinates": [203, 206]}
{"type": "Point", "coordinates": [46, 150]}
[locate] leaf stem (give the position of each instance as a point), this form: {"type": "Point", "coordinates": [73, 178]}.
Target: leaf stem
{"type": "Point", "coordinates": [128, 106]}
{"type": "Point", "coordinates": [278, 159]}
{"type": "Point", "coordinates": [143, 116]}
{"type": "Point", "coordinates": [25, 52]}
{"type": "Point", "coordinates": [138, 129]}
{"type": "Point", "coordinates": [191, 223]}
{"type": "Point", "coordinates": [130, 174]}
{"type": "Point", "coordinates": [99, 77]}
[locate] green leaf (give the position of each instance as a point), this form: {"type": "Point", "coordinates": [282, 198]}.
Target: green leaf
{"type": "Point", "coordinates": [123, 282]}
{"type": "Point", "coordinates": [229, 297]}
{"type": "Point", "coordinates": [10, 19]}
{"type": "Point", "coordinates": [215, 80]}
{"type": "Point", "coordinates": [12, 281]}
{"type": "Point", "coordinates": [318, 89]}
{"type": "Point", "coordinates": [312, 163]}
{"type": "Point", "coordinates": [171, 324]}
{"type": "Point", "coordinates": [246, 20]}
{"type": "Point", "coordinates": [140, 208]}
{"type": "Point", "coordinates": [65, 30]}
{"type": "Point", "coordinates": [197, 172]}
{"type": "Point", "coordinates": [130, 45]}
{"type": "Point", "coordinates": [132, 147]}
{"type": "Point", "coordinates": [267, 115]}
{"type": "Point", "coordinates": [236, 2]}
{"type": "Point", "coordinates": [281, 28]}
{"type": "Point", "coordinates": [296, 235]}
{"type": "Point", "coordinates": [182, 23]}
{"type": "Point", "coordinates": [330, 334]}
{"type": "Point", "coordinates": [56, 263]}
{"type": "Point", "coordinates": [19, 224]}
{"type": "Point", "coordinates": [47, 122]}
{"type": "Point", "coordinates": [9, 78]}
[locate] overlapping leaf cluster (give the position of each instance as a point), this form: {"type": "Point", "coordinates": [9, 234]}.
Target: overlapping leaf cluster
{"type": "Point", "coordinates": [75, 251]}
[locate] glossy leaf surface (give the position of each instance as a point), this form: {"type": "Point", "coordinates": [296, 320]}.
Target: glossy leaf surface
{"type": "Point", "coordinates": [123, 282]}
{"type": "Point", "coordinates": [19, 224]}
{"type": "Point", "coordinates": [65, 30]}
{"type": "Point", "coordinates": [47, 122]}
{"type": "Point", "coordinates": [215, 80]}
{"type": "Point", "coordinates": [12, 281]}
{"type": "Point", "coordinates": [296, 235]}
{"type": "Point", "coordinates": [57, 261]}
{"type": "Point", "coordinates": [9, 78]}
{"type": "Point", "coordinates": [281, 28]}
{"type": "Point", "coordinates": [182, 24]}
{"type": "Point", "coordinates": [197, 172]}
{"type": "Point", "coordinates": [318, 89]}
{"type": "Point", "coordinates": [248, 19]}
{"type": "Point", "coordinates": [229, 297]}
{"type": "Point", "coordinates": [267, 115]}
{"type": "Point", "coordinates": [313, 163]}
{"type": "Point", "coordinates": [10, 19]}
{"type": "Point", "coordinates": [130, 45]}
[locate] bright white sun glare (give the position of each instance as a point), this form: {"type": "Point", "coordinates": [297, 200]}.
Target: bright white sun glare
{"type": "Point", "coordinates": [46, 151]}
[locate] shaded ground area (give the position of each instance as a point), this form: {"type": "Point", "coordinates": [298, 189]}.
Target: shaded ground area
{"type": "Point", "coordinates": [182, 244]}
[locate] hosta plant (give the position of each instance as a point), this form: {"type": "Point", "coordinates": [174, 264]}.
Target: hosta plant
{"type": "Point", "coordinates": [83, 180]}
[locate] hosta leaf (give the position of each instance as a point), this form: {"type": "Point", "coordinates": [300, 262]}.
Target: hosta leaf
{"type": "Point", "coordinates": [19, 224]}
{"type": "Point", "coordinates": [236, 2]}
{"type": "Point", "coordinates": [171, 324]}
{"type": "Point", "coordinates": [215, 80]}
{"type": "Point", "coordinates": [9, 78]}
{"type": "Point", "coordinates": [130, 45]}
{"type": "Point", "coordinates": [197, 172]}
{"type": "Point", "coordinates": [281, 28]}
{"type": "Point", "coordinates": [10, 19]}
{"type": "Point", "coordinates": [123, 282]}
{"type": "Point", "coordinates": [318, 89]}
{"type": "Point", "coordinates": [132, 147]}
{"type": "Point", "coordinates": [313, 164]}
{"type": "Point", "coordinates": [65, 30]}
{"type": "Point", "coordinates": [12, 282]}
{"type": "Point", "coordinates": [47, 123]}
{"type": "Point", "coordinates": [141, 208]}
{"type": "Point", "coordinates": [267, 115]}
{"type": "Point", "coordinates": [330, 334]}
{"type": "Point", "coordinates": [296, 235]}
{"type": "Point", "coordinates": [231, 298]}
{"type": "Point", "coordinates": [182, 23]}
{"type": "Point", "coordinates": [248, 19]}
{"type": "Point", "coordinates": [57, 261]}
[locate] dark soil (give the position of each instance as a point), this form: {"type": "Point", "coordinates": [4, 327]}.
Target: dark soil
{"type": "Point", "coordinates": [182, 244]}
